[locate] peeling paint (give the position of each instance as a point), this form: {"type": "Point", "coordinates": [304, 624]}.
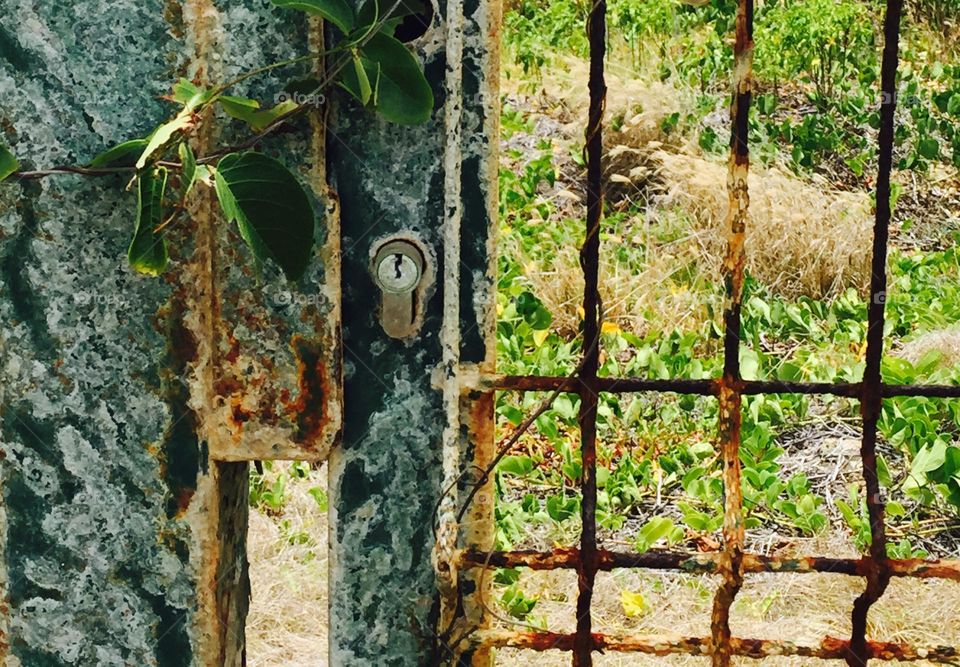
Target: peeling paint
{"type": "Point", "coordinates": [729, 395]}
{"type": "Point", "coordinates": [446, 531]}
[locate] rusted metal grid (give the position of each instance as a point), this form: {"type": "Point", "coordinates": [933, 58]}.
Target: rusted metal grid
{"type": "Point", "coordinates": [731, 563]}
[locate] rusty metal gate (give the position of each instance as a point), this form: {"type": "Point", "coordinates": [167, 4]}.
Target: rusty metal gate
{"type": "Point", "coordinates": [473, 636]}
{"type": "Point", "coordinates": [128, 423]}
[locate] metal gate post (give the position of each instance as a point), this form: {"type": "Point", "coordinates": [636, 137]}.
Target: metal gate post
{"type": "Point", "coordinates": [435, 186]}
{"type": "Point", "coordinates": [130, 404]}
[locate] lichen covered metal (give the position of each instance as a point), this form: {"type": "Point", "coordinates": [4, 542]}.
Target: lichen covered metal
{"type": "Point", "coordinates": [402, 396]}
{"type": "Point", "coordinates": [125, 397]}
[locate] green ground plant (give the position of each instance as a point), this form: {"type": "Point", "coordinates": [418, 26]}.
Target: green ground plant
{"type": "Point", "coordinates": [659, 474]}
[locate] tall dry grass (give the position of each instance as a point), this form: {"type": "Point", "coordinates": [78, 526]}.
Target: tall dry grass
{"type": "Point", "coordinates": [287, 623]}
{"type": "Point", "coordinates": [804, 237]}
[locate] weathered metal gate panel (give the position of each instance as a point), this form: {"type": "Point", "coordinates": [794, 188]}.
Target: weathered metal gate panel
{"type": "Point", "coordinates": [126, 398]}
{"type": "Point", "coordinates": [436, 185]}
{"type": "Point", "coordinates": [131, 405]}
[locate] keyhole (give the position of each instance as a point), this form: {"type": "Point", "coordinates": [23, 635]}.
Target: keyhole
{"type": "Point", "coordinates": [397, 262]}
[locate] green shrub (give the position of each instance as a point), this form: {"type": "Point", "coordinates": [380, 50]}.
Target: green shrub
{"type": "Point", "coordinates": [828, 43]}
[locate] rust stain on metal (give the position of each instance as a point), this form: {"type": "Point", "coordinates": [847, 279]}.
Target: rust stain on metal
{"type": "Point", "coordinates": [311, 407]}
{"type": "Point", "coordinates": [709, 563]}
{"type": "Point", "coordinates": [730, 399]}
{"type": "Point", "coordinates": [590, 262]}
{"type": "Point", "coordinates": [829, 648]}
{"type": "Point", "coordinates": [731, 563]}
{"type": "Point", "coordinates": [878, 575]}
{"type": "Point", "coordinates": [265, 380]}
{"type": "Point", "coordinates": [627, 385]}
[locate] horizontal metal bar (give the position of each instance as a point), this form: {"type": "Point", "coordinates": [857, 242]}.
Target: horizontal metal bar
{"type": "Point", "coordinates": [925, 390]}
{"type": "Point", "coordinates": [617, 385]}
{"type": "Point", "coordinates": [707, 563]}
{"type": "Point", "coordinates": [705, 387]}
{"type": "Point", "coordinates": [830, 648]}
{"type": "Point", "coordinates": [845, 389]}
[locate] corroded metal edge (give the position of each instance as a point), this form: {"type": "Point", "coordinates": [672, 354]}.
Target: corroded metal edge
{"type": "Point", "coordinates": [583, 645]}
{"type": "Point", "coordinates": [709, 563]}
{"type": "Point", "coordinates": [708, 387]}
{"type": "Point", "coordinates": [729, 397]}
{"type": "Point", "coordinates": [218, 627]}
{"type": "Point", "coordinates": [478, 444]}
{"type": "Point", "coordinates": [829, 648]}
{"type": "Point", "coordinates": [245, 414]}
{"type": "Point", "coordinates": [446, 531]}
{"type": "Point", "coordinates": [871, 401]}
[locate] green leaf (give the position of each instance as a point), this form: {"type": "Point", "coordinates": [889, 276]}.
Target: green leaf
{"type": "Point", "coordinates": [320, 496]}
{"type": "Point", "coordinates": [204, 174]}
{"type": "Point", "coordinates": [929, 458]}
{"type": "Point", "coordinates": [895, 509]}
{"type": "Point", "coordinates": [929, 148]}
{"type": "Point", "coordinates": [338, 12]}
{"type": "Point", "coordinates": [749, 364]}
{"type": "Point", "coordinates": [191, 97]}
{"type": "Point", "coordinates": [370, 12]}
{"type": "Point", "coordinates": [516, 465]}
{"type": "Point", "coordinates": [189, 94]}
{"type": "Point", "coordinates": [506, 576]}
{"type": "Point", "coordinates": [271, 209]}
{"type": "Point", "coordinates": [953, 105]}
{"type": "Point", "coordinates": [356, 80]}
{"type": "Point", "coordinates": [164, 134]}
{"type": "Point", "coordinates": [402, 94]}
{"type": "Point", "coordinates": [189, 165]}
{"type": "Point", "coordinates": [654, 530]}
{"type": "Point", "coordinates": [115, 156]}
{"type": "Point", "coordinates": [148, 251]}
{"type": "Point", "coordinates": [364, 91]}
{"type": "Point", "coordinates": [248, 111]}
{"type": "Point", "coordinates": [883, 472]}
{"type": "Point", "coordinates": [561, 508]}
{"type": "Point", "coordinates": [8, 163]}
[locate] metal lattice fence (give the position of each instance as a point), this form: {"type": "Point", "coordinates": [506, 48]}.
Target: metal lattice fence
{"type": "Point", "coordinates": [731, 562]}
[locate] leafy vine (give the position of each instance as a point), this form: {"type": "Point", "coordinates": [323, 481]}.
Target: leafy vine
{"type": "Point", "coordinates": [271, 209]}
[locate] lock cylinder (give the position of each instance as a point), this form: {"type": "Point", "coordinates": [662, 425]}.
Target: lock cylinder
{"type": "Point", "coordinates": [398, 268]}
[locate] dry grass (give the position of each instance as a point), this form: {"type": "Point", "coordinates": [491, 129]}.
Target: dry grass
{"type": "Point", "coordinates": [641, 103]}
{"type": "Point", "coordinates": [804, 237]}
{"type": "Point", "coordinates": [670, 290]}
{"type": "Point", "coordinates": [287, 623]}
{"type": "Point", "coordinates": [945, 341]}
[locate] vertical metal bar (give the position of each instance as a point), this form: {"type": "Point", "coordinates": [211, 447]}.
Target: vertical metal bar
{"type": "Point", "coordinates": [590, 262]}
{"type": "Point", "coordinates": [731, 564]}
{"type": "Point", "coordinates": [871, 402]}
{"type": "Point", "coordinates": [447, 529]}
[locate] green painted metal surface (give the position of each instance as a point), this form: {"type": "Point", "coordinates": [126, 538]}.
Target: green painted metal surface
{"type": "Point", "coordinates": [130, 405]}
{"type": "Point", "coordinates": [386, 479]}
{"type": "Point", "coordinates": [122, 536]}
